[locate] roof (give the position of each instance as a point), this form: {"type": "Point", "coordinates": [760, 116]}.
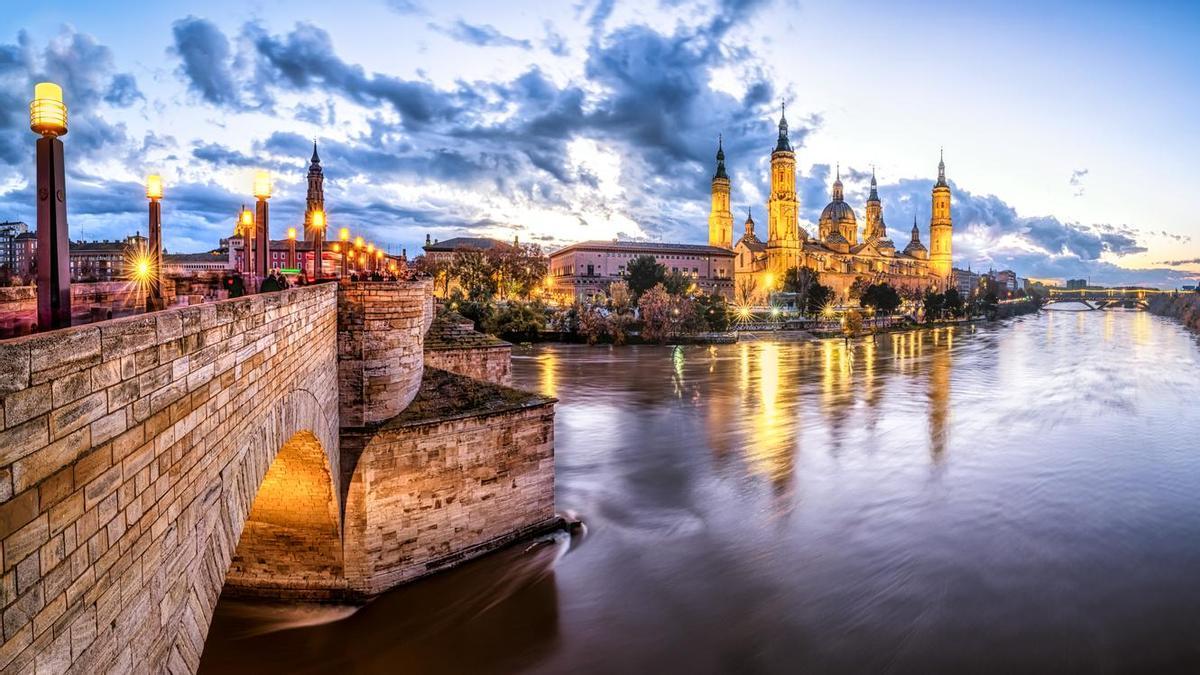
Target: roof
{"type": "Point", "coordinates": [481, 243]}
{"type": "Point", "coordinates": [752, 243]}
{"type": "Point", "coordinates": [207, 256]}
{"type": "Point", "coordinates": [648, 247]}
{"type": "Point", "coordinates": [451, 330]}
{"type": "Point", "coordinates": [838, 211]}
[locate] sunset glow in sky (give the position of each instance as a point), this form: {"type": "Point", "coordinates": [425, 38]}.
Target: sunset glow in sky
{"type": "Point", "coordinates": [1069, 128]}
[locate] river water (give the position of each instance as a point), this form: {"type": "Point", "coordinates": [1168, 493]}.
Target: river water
{"type": "Point", "coordinates": [1012, 497]}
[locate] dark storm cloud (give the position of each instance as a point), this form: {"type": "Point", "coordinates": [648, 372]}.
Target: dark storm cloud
{"type": "Point", "coordinates": [220, 155]}
{"type": "Point", "coordinates": [480, 35]}
{"type": "Point", "coordinates": [206, 60]}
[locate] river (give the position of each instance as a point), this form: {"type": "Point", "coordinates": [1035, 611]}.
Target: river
{"type": "Point", "coordinates": [1010, 497]}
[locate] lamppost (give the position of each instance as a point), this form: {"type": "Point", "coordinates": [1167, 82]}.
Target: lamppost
{"type": "Point", "coordinates": [357, 257]}
{"type": "Point", "coordinates": [48, 117]}
{"type": "Point", "coordinates": [246, 227]}
{"type": "Point", "coordinates": [291, 257]}
{"type": "Point", "coordinates": [379, 260]}
{"type": "Point", "coordinates": [344, 236]}
{"type": "Point", "coordinates": [318, 225]}
{"type": "Point", "coordinates": [154, 192]}
{"type": "Point", "coordinates": [262, 234]}
{"type": "Point", "coordinates": [370, 257]}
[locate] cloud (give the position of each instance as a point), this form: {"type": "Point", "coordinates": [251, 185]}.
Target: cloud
{"type": "Point", "coordinates": [206, 60]}
{"type": "Point", "coordinates": [480, 35]}
{"type": "Point", "coordinates": [1077, 177]}
{"type": "Point", "coordinates": [1176, 263]}
{"type": "Point", "coordinates": [406, 6]}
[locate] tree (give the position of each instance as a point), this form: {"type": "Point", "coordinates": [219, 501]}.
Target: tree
{"type": "Point", "coordinates": [437, 269]}
{"type": "Point", "coordinates": [857, 288]}
{"type": "Point", "coordinates": [592, 323]}
{"type": "Point", "coordinates": [745, 289]}
{"type": "Point", "coordinates": [474, 271]}
{"type": "Point", "coordinates": [934, 303]}
{"type": "Point", "coordinates": [655, 308]}
{"type": "Point", "coordinates": [517, 269]}
{"type": "Point", "coordinates": [818, 296]}
{"type": "Point", "coordinates": [882, 297]}
{"type": "Point", "coordinates": [800, 280]}
{"type": "Point", "coordinates": [713, 311]}
{"type": "Point", "coordinates": [852, 324]}
{"type": "Point", "coordinates": [521, 321]}
{"type": "Point", "coordinates": [677, 283]}
{"type": "Point", "coordinates": [644, 272]}
{"type": "Point", "coordinates": [620, 297]}
{"type": "Point", "coordinates": [952, 302]}
{"type": "Point", "coordinates": [621, 316]}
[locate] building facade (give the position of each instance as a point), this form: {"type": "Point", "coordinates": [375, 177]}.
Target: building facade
{"type": "Point", "coordinates": [837, 253]}
{"type": "Point", "coordinates": [18, 248]}
{"type": "Point", "coordinates": [585, 270]}
{"type": "Point", "coordinates": [104, 260]}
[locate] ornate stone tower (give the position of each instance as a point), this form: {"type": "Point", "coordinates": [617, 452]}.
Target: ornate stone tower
{"type": "Point", "coordinates": [874, 229]}
{"type": "Point", "coordinates": [316, 192]}
{"type": "Point", "coordinates": [940, 227]}
{"type": "Point", "coordinates": [783, 230]}
{"type": "Point", "coordinates": [720, 219]}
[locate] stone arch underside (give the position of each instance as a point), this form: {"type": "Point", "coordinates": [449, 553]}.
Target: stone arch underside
{"type": "Point", "coordinates": [291, 544]}
{"type": "Point", "coordinates": [228, 505]}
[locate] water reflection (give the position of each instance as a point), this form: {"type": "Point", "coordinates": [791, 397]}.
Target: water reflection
{"type": "Point", "coordinates": [926, 502]}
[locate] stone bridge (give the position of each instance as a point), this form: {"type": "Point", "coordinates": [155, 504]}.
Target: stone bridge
{"type": "Point", "coordinates": [291, 444]}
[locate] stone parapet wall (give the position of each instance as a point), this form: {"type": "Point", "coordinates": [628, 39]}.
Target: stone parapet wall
{"type": "Point", "coordinates": [491, 364]}
{"type": "Point", "coordinates": [1182, 306]}
{"type": "Point", "coordinates": [449, 481]}
{"type": "Point", "coordinates": [130, 454]}
{"type": "Point", "coordinates": [381, 328]}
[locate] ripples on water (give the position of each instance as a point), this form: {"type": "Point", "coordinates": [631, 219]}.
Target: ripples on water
{"type": "Point", "coordinates": [1012, 497]}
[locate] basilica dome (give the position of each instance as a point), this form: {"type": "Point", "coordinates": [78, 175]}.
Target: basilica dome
{"type": "Point", "coordinates": [836, 214]}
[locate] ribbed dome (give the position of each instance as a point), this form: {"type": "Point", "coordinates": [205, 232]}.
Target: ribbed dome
{"type": "Point", "coordinates": [838, 213]}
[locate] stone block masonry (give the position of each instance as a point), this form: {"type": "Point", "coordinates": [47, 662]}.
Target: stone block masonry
{"type": "Point", "coordinates": [130, 453]}
{"type": "Point", "coordinates": [285, 442]}
{"type": "Point", "coordinates": [453, 344]}
{"type": "Point", "coordinates": [468, 468]}
{"type": "Point", "coordinates": [380, 336]}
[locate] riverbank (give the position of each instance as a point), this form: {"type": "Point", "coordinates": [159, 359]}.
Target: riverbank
{"type": "Point", "coordinates": [1182, 306]}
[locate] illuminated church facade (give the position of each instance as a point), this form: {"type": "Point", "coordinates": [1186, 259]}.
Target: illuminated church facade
{"type": "Point", "coordinates": [838, 253]}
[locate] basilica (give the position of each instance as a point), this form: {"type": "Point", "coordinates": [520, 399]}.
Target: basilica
{"type": "Point", "coordinates": [838, 253]}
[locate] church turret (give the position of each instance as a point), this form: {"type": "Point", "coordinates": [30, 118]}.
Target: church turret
{"type": "Point", "coordinates": [874, 228]}
{"type": "Point", "coordinates": [783, 229]}
{"type": "Point", "coordinates": [838, 223]}
{"type": "Point", "coordinates": [915, 248]}
{"type": "Point", "coordinates": [750, 226]}
{"type": "Point", "coordinates": [941, 227]}
{"type": "Point", "coordinates": [720, 219]}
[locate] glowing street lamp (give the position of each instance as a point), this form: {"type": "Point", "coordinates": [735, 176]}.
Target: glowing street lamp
{"type": "Point", "coordinates": [344, 237]}
{"type": "Point", "coordinates": [262, 230]}
{"type": "Point", "coordinates": [378, 259]}
{"type": "Point", "coordinates": [48, 118]}
{"type": "Point", "coordinates": [291, 258]}
{"type": "Point", "coordinates": [154, 192]}
{"type": "Point", "coordinates": [370, 255]}
{"type": "Point", "coordinates": [246, 230]}
{"type": "Point", "coordinates": [316, 219]}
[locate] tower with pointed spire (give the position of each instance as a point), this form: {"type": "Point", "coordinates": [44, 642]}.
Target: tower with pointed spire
{"type": "Point", "coordinates": [941, 227]}
{"type": "Point", "coordinates": [316, 190]}
{"type": "Point", "coordinates": [874, 228]}
{"type": "Point", "coordinates": [720, 218]}
{"type": "Point", "coordinates": [783, 229]}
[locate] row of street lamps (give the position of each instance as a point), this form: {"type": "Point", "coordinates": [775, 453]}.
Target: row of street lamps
{"type": "Point", "coordinates": [48, 119]}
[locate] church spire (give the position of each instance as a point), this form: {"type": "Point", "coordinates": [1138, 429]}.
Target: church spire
{"type": "Point", "coordinates": [720, 158]}
{"type": "Point", "coordinates": [941, 168]}
{"type": "Point", "coordinates": [874, 196]}
{"type": "Point", "coordinates": [916, 233]}
{"type": "Point", "coordinates": [316, 159]}
{"type": "Point", "coordinates": [783, 145]}
{"type": "Point", "coordinates": [838, 193]}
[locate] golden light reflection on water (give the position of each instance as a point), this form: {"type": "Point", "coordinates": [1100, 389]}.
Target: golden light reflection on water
{"type": "Point", "coordinates": [548, 378]}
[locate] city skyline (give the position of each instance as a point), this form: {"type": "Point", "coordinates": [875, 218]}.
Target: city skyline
{"type": "Point", "coordinates": [599, 120]}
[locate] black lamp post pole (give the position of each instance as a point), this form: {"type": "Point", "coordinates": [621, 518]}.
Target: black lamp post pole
{"type": "Point", "coordinates": [53, 242]}
{"type": "Point", "coordinates": [154, 299]}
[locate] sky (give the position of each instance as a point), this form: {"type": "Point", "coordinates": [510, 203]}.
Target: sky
{"type": "Point", "coordinates": [1069, 129]}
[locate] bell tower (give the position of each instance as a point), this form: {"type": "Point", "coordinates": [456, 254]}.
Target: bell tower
{"type": "Point", "coordinates": [720, 219]}
{"type": "Point", "coordinates": [783, 230]}
{"type": "Point", "coordinates": [940, 227]}
{"type": "Point", "coordinates": [316, 191]}
{"type": "Point", "coordinates": [874, 228]}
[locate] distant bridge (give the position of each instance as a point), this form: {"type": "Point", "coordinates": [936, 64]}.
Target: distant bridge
{"type": "Point", "coordinates": [1100, 298]}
